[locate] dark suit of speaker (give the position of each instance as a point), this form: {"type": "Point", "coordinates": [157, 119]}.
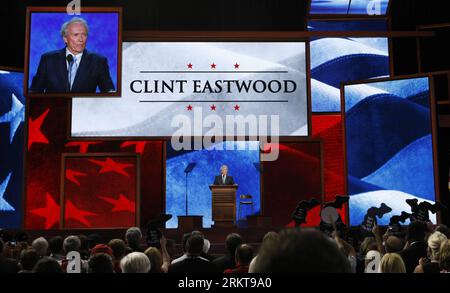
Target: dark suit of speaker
{"type": "Point", "coordinates": [228, 180]}
{"type": "Point", "coordinates": [52, 74]}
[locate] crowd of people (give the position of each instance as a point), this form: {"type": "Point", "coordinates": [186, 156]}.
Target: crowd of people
{"type": "Point", "coordinates": [423, 249]}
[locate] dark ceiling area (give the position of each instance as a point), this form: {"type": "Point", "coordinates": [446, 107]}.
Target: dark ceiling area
{"type": "Point", "coordinates": [222, 15]}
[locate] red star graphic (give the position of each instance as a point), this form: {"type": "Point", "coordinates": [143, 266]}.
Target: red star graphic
{"type": "Point", "coordinates": [236, 66]}
{"type": "Point", "coordinates": [110, 166]}
{"type": "Point", "coordinates": [139, 145]}
{"type": "Point", "coordinates": [83, 145]}
{"type": "Point", "coordinates": [213, 66]}
{"type": "Point", "coordinates": [236, 107]}
{"type": "Point", "coordinates": [189, 66]}
{"type": "Point", "coordinates": [122, 204]}
{"type": "Point", "coordinates": [71, 175]}
{"type": "Point", "coordinates": [74, 213]}
{"type": "Point", "coordinates": [35, 134]}
{"type": "Point", "coordinates": [189, 108]}
{"type": "Point", "coordinates": [213, 107]}
{"type": "Point", "coordinates": [50, 212]}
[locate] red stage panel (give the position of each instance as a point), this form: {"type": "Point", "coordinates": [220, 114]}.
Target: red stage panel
{"type": "Point", "coordinates": [48, 140]}
{"type": "Point", "coordinates": [100, 191]}
{"type": "Point", "coordinates": [295, 176]}
{"type": "Point", "coordinates": [328, 128]}
{"type": "Point", "coordinates": [46, 137]}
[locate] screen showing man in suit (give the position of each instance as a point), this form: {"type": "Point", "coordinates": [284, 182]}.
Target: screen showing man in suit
{"type": "Point", "coordinates": [223, 178]}
{"type": "Point", "coordinates": [73, 68]}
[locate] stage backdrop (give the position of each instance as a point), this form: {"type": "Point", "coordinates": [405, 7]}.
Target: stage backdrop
{"type": "Point", "coordinates": [389, 146]}
{"type": "Point", "coordinates": [12, 137]}
{"type": "Point", "coordinates": [167, 80]}
{"type": "Point", "coordinates": [242, 159]}
{"type": "Point", "coordinates": [336, 60]}
{"type": "Point", "coordinates": [295, 176]}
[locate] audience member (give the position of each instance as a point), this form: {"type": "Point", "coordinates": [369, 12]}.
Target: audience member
{"type": "Point", "coordinates": [393, 244]}
{"type": "Point", "coordinates": [100, 263]}
{"type": "Point", "coordinates": [84, 246]}
{"type": "Point", "coordinates": [47, 265]}
{"type": "Point", "coordinates": [444, 230]}
{"type": "Point", "coordinates": [302, 251]}
{"type": "Point", "coordinates": [244, 255]}
{"type": "Point", "coordinates": [392, 263]}
{"type": "Point", "coordinates": [193, 263]}
{"type": "Point", "coordinates": [7, 265]}
{"type": "Point", "coordinates": [135, 262]}
{"type": "Point", "coordinates": [28, 259]}
{"type": "Point", "coordinates": [72, 243]}
{"type": "Point", "coordinates": [40, 245]}
{"type": "Point", "coordinates": [119, 248]}
{"type": "Point", "coordinates": [431, 264]}
{"type": "Point", "coordinates": [183, 247]}
{"type": "Point", "coordinates": [227, 261]}
{"type": "Point", "coordinates": [271, 238]}
{"type": "Point", "coordinates": [416, 247]}
{"type": "Point", "coordinates": [133, 238]}
{"type": "Point", "coordinates": [55, 246]}
{"type": "Point", "coordinates": [444, 257]}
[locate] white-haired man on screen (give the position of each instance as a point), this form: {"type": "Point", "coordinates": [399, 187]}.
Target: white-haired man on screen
{"type": "Point", "coordinates": [73, 68]}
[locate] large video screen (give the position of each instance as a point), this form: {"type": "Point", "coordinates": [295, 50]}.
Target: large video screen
{"type": "Point", "coordinates": [231, 84]}
{"type": "Point", "coordinates": [242, 159]}
{"type": "Point", "coordinates": [12, 139]}
{"type": "Point", "coordinates": [389, 146]}
{"type": "Point", "coordinates": [336, 60]}
{"type": "Point", "coordinates": [92, 40]}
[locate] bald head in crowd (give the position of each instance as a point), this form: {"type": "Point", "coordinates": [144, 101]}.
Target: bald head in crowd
{"type": "Point", "coordinates": [393, 244]}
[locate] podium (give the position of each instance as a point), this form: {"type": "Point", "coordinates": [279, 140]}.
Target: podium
{"type": "Point", "coordinates": [224, 205]}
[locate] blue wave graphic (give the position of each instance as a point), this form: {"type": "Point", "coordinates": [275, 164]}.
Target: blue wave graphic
{"type": "Point", "coordinates": [325, 97]}
{"type": "Point", "coordinates": [356, 185]}
{"type": "Point", "coordinates": [351, 67]}
{"type": "Point", "coordinates": [389, 146]}
{"type": "Point", "coordinates": [421, 99]}
{"type": "Point", "coordinates": [336, 60]}
{"type": "Point", "coordinates": [411, 168]}
{"type": "Point", "coordinates": [379, 127]}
